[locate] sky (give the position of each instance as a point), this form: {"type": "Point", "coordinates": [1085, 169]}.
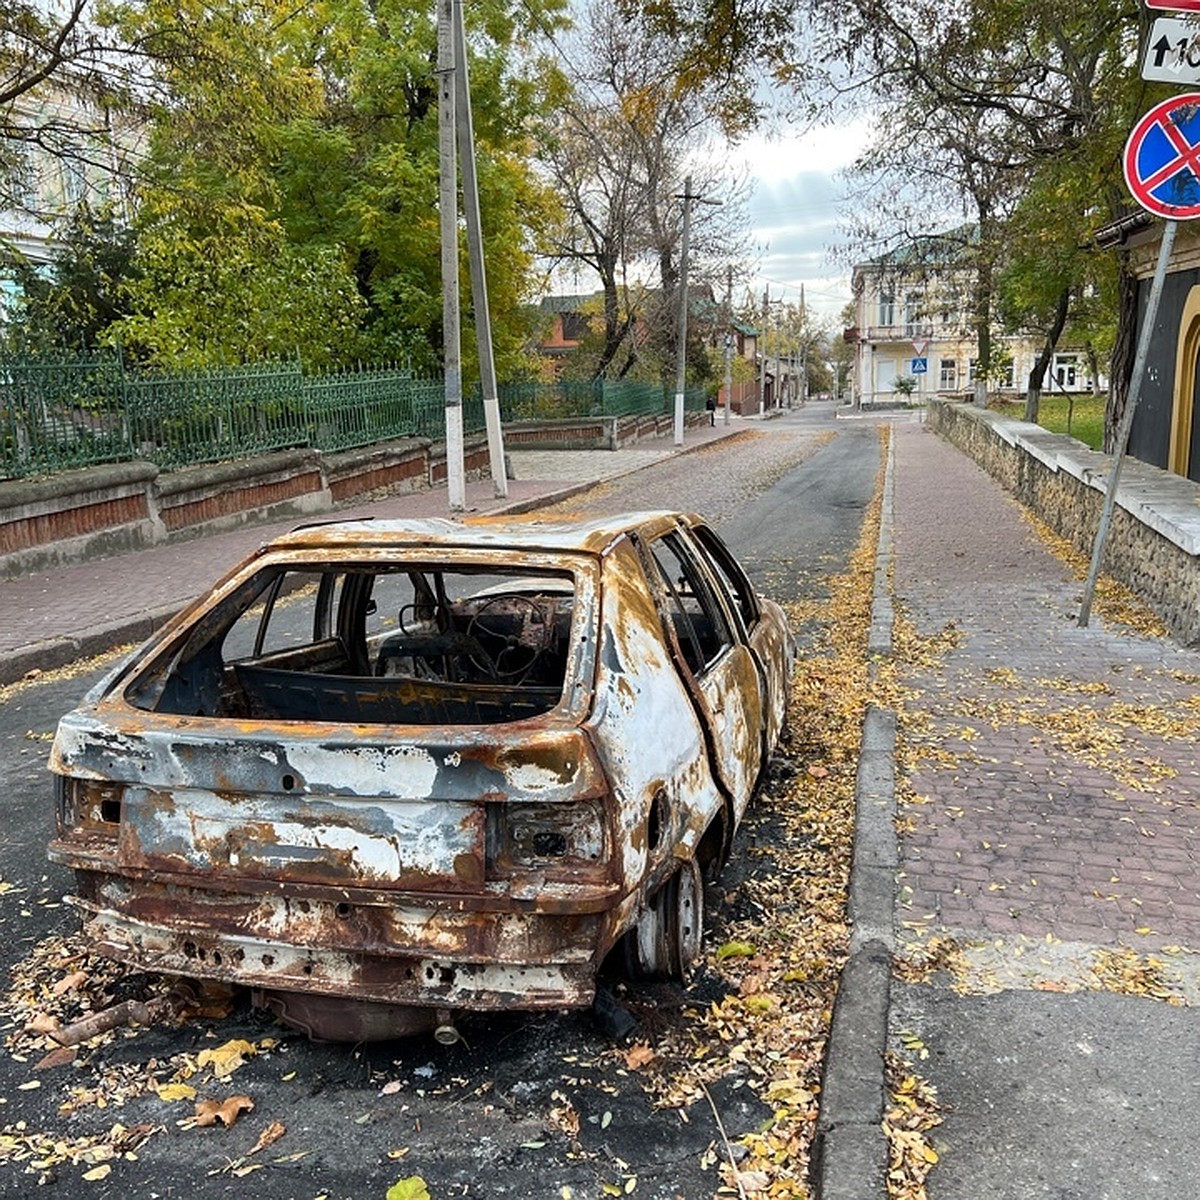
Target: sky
{"type": "Point", "coordinates": [796, 212]}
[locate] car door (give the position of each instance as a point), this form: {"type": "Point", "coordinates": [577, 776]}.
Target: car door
{"type": "Point", "coordinates": [768, 635]}
{"type": "Point", "coordinates": [717, 666]}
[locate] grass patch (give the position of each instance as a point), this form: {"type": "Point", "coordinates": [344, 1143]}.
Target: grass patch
{"type": "Point", "coordinates": [1080, 416]}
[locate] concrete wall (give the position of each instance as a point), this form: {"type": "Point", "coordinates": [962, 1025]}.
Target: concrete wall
{"type": "Point", "coordinates": [1154, 544]}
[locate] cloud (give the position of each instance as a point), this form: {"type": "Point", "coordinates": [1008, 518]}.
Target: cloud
{"type": "Point", "coordinates": [796, 211]}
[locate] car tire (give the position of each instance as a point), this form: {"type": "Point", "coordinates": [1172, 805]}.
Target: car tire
{"type": "Point", "coordinates": [667, 940]}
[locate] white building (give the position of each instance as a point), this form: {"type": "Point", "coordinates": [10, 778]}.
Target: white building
{"type": "Point", "coordinates": [913, 338]}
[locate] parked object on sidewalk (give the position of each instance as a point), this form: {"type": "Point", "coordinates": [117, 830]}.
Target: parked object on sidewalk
{"type": "Point", "coordinates": [386, 771]}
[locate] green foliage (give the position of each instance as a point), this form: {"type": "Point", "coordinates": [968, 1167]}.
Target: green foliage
{"type": "Point", "coordinates": [240, 297]}
{"type": "Point", "coordinates": [84, 291]}
{"type": "Point", "coordinates": [291, 196]}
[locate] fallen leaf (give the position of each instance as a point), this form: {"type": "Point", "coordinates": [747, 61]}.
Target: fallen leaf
{"type": "Point", "coordinates": [103, 1171]}
{"type": "Point", "coordinates": [226, 1059]}
{"type": "Point", "coordinates": [391, 1087]}
{"type": "Point", "coordinates": [638, 1055]}
{"type": "Point", "coordinates": [412, 1188]}
{"type": "Point", "coordinates": [734, 950]}
{"type": "Point", "coordinates": [176, 1091]}
{"type": "Point", "coordinates": [68, 983]}
{"type": "Point", "coordinates": [56, 1058]}
{"type": "Point", "coordinates": [209, 1112]}
{"type": "Point", "coordinates": [271, 1134]}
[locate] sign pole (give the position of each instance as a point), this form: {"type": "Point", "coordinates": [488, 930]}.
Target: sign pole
{"type": "Point", "coordinates": [1135, 391]}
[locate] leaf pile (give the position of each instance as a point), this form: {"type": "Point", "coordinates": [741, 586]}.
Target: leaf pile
{"type": "Point", "coordinates": [1114, 602]}
{"type": "Point", "coordinates": [912, 1112]}
{"type": "Point", "coordinates": [780, 952]}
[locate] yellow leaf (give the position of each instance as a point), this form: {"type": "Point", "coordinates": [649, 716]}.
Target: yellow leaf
{"type": "Point", "coordinates": [226, 1059]}
{"type": "Point", "coordinates": [412, 1188]}
{"type": "Point", "coordinates": [177, 1091]}
{"type": "Point", "coordinates": [103, 1171]}
{"type": "Point", "coordinates": [734, 950]}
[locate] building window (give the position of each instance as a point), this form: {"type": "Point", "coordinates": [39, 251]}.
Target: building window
{"type": "Point", "coordinates": [1006, 380]}
{"type": "Point", "coordinates": [74, 182]}
{"type": "Point", "coordinates": [574, 326]}
{"type": "Point", "coordinates": [887, 308]}
{"type": "Point", "coordinates": [22, 177]}
{"type": "Point", "coordinates": [912, 310]}
{"type": "Point", "coordinates": [948, 375]}
{"type": "Point", "coordinates": [1065, 371]}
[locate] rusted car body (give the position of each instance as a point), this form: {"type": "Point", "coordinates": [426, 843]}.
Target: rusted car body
{"type": "Point", "coordinates": [385, 771]}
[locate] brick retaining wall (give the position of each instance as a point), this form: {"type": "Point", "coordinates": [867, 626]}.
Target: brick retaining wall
{"type": "Point", "coordinates": [1154, 543]}
{"type": "Point", "coordinates": [128, 506]}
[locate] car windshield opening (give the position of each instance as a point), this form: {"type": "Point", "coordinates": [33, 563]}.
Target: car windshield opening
{"type": "Point", "coordinates": [369, 644]}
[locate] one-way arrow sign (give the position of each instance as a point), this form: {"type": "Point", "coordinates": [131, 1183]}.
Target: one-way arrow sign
{"type": "Point", "coordinates": [1173, 51]}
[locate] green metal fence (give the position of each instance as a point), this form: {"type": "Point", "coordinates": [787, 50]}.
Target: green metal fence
{"type": "Point", "coordinates": [60, 414]}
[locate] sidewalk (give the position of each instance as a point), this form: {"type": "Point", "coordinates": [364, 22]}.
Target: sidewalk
{"type": "Point", "coordinates": [1047, 916]}
{"type": "Point", "coordinates": [52, 618]}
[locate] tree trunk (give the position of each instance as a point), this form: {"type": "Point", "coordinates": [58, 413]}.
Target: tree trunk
{"type": "Point", "coordinates": [1093, 367]}
{"type": "Point", "coordinates": [1120, 373]}
{"type": "Point", "coordinates": [1037, 375]}
{"type": "Point", "coordinates": [983, 331]}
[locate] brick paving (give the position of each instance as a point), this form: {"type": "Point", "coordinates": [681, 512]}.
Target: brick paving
{"type": "Point", "coordinates": [1057, 766]}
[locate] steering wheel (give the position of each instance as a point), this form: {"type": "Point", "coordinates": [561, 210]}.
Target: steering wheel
{"type": "Point", "coordinates": [509, 656]}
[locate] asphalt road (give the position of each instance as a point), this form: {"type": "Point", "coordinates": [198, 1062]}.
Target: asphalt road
{"type": "Point", "coordinates": [490, 1118]}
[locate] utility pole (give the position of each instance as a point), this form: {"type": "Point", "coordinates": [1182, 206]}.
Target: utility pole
{"type": "Point", "coordinates": [803, 350]}
{"type": "Point", "coordinates": [448, 214]}
{"type": "Point", "coordinates": [728, 343]}
{"type": "Point", "coordinates": [681, 350]}
{"type": "Point", "coordinates": [479, 292]}
{"type": "Point", "coordinates": [762, 365]}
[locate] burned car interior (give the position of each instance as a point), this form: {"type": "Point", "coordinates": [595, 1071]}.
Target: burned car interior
{"type": "Point", "coordinates": [426, 645]}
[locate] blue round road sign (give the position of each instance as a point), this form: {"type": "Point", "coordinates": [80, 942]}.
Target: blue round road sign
{"type": "Point", "coordinates": [1162, 158]}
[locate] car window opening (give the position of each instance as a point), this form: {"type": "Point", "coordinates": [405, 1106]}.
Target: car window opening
{"type": "Point", "coordinates": [424, 645]}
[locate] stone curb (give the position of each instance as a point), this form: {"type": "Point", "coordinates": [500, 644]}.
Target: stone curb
{"type": "Point", "coordinates": [850, 1152]}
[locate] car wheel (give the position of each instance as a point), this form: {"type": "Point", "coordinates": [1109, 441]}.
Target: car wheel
{"type": "Point", "coordinates": [666, 941]}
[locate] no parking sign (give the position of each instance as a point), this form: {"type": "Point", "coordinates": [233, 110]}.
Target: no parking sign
{"type": "Point", "coordinates": [1162, 159]}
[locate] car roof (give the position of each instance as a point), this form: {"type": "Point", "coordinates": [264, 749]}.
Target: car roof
{"type": "Point", "coordinates": [518, 532]}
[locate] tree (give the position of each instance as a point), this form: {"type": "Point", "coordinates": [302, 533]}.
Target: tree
{"type": "Point", "coordinates": [48, 52]}
{"type": "Point", "coordinates": [85, 290]}
{"type": "Point", "coordinates": [1054, 83]}
{"type": "Point", "coordinates": [629, 134]}
{"type": "Point", "coordinates": [309, 135]}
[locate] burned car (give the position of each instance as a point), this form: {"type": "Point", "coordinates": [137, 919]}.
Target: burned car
{"type": "Point", "coordinates": [386, 771]}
